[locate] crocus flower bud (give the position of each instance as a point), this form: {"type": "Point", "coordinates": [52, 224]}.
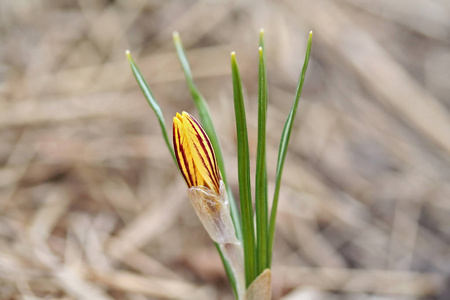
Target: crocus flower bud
{"type": "Point", "coordinates": [197, 162]}
{"type": "Point", "coordinates": [194, 153]}
{"type": "Point", "coordinates": [198, 165]}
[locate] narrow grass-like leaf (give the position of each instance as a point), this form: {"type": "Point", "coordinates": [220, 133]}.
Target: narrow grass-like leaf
{"type": "Point", "coordinates": [284, 142]}
{"type": "Point", "coordinates": [248, 231]}
{"type": "Point", "coordinates": [207, 124]}
{"type": "Point", "coordinates": [151, 100]}
{"type": "Point", "coordinates": [261, 206]}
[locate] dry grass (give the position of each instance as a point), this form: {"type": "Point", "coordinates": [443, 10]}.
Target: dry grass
{"type": "Point", "coordinates": [92, 207]}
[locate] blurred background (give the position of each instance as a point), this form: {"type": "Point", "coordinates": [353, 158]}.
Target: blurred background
{"type": "Point", "coordinates": [93, 207]}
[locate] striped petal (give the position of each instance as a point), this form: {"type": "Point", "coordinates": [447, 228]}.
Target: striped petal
{"type": "Point", "coordinates": [194, 153]}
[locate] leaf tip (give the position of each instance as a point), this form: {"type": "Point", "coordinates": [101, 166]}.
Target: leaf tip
{"type": "Point", "coordinates": [176, 36]}
{"type": "Point", "coordinates": [128, 54]}
{"type": "Point", "coordinates": [261, 37]}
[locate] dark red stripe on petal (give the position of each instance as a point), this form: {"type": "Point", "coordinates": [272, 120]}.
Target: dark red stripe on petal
{"type": "Point", "coordinates": [208, 141]}
{"type": "Point", "coordinates": [211, 165]}
{"type": "Point", "coordinates": [177, 142]}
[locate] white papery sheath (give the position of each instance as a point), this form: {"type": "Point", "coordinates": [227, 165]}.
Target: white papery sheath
{"type": "Point", "coordinates": [214, 212]}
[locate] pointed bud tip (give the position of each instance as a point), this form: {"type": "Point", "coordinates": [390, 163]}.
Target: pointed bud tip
{"type": "Point", "coordinates": [178, 116]}
{"type": "Point", "coordinates": [176, 37]}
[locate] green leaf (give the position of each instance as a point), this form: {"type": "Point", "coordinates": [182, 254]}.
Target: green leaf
{"type": "Point", "coordinates": [284, 142]}
{"type": "Point", "coordinates": [248, 231]}
{"type": "Point", "coordinates": [151, 100]}
{"type": "Point", "coordinates": [261, 206]}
